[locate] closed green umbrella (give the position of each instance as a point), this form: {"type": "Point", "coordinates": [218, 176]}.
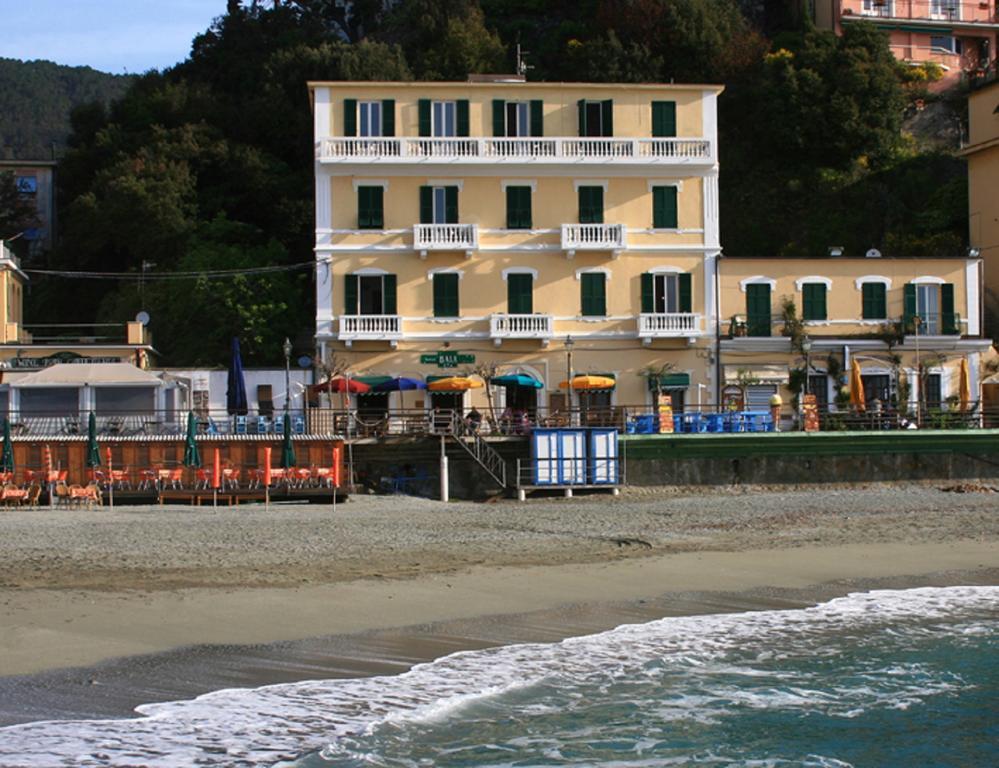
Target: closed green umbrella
{"type": "Point", "coordinates": [192, 457]}
{"type": "Point", "coordinates": [287, 452]}
{"type": "Point", "coordinates": [93, 454]}
{"type": "Point", "coordinates": [7, 460]}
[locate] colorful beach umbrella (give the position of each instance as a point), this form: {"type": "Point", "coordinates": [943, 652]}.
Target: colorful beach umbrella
{"type": "Point", "coordinates": [857, 399]}
{"type": "Point", "coordinates": [7, 459]}
{"type": "Point", "coordinates": [516, 380]}
{"type": "Point", "coordinates": [235, 393]}
{"type": "Point", "coordinates": [585, 383]}
{"type": "Point", "coordinates": [454, 384]}
{"type": "Point", "coordinates": [93, 453]}
{"type": "Point", "coordinates": [399, 384]}
{"type": "Point", "coordinates": [287, 450]}
{"type": "Point", "coordinates": [964, 385]}
{"type": "Point", "coordinates": [192, 457]}
{"type": "Point", "coordinates": [341, 384]}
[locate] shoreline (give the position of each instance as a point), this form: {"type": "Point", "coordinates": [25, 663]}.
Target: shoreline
{"type": "Point", "coordinates": [511, 605]}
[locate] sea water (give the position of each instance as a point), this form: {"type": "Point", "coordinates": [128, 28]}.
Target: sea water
{"type": "Point", "coordinates": [882, 678]}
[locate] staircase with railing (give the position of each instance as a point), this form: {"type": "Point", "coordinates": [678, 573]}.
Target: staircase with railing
{"type": "Point", "coordinates": [479, 450]}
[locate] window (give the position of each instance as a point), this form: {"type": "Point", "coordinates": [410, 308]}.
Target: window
{"type": "Point", "coordinates": [519, 293]}
{"type": "Point", "coordinates": [878, 8]}
{"type": "Point", "coordinates": [663, 119]}
{"type": "Point", "coordinates": [947, 43]}
{"type": "Point", "coordinates": [596, 118]}
{"type": "Point", "coordinates": [875, 304]}
{"type": "Point", "coordinates": [945, 9]}
{"type": "Point", "coordinates": [438, 205]}
{"type": "Point", "coordinates": [443, 118]}
{"type": "Point", "coordinates": [877, 386]}
{"type": "Point", "coordinates": [758, 317]}
{"type": "Point", "coordinates": [677, 396]}
{"type": "Point", "coordinates": [666, 293]}
{"type": "Point", "coordinates": [518, 118]}
{"type": "Point", "coordinates": [26, 185]}
{"type": "Point", "coordinates": [593, 294]}
{"type": "Point", "coordinates": [370, 208]}
{"type": "Point", "coordinates": [369, 118]}
{"type": "Point", "coordinates": [591, 205]}
{"type": "Point", "coordinates": [518, 207]}
{"type": "Point", "coordinates": [445, 294]}
{"type": "Point", "coordinates": [934, 390]}
{"type": "Point", "coordinates": [369, 294]}
{"type": "Point", "coordinates": [813, 301]}
{"type": "Point", "coordinates": [664, 214]}
{"type": "Point", "coordinates": [818, 385]}
{"type": "Point", "coordinates": [934, 306]}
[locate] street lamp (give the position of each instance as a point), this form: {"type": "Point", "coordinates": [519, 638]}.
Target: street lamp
{"type": "Point", "coordinates": [568, 369]}
{"type": "Point", "coordinates": [286, 347]}
{"type": "Point", "coordinates": [806, 347]}
{"type": "Point", "coordinates": [916, 322]}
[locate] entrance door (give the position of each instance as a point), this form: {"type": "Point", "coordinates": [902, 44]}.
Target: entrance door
{"type": "Point", "coordinates": [523, 399]}
{"type": "Point", "coordinates": [928, 309]}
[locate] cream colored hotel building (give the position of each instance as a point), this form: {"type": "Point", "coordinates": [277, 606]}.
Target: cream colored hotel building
{"type": "Point", "coordinates": [497, 219]}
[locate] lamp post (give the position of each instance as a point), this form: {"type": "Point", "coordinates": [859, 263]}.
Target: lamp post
{"type": "Point", "coordinates": [916, 321]}
{"type": "Point", "coordinates": [568, 371]}
{"type": "Point", "coordinates": [286, 347]}
{"type": "Point", "coordinates": [806, 347]}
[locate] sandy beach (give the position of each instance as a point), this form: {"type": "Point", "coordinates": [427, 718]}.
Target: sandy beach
{"type": "Point", "coordinates": [174, 601]}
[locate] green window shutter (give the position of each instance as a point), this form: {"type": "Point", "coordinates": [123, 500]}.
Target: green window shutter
{"type": "Point", "coordinates": [591, 205]}
{"type": "Point", "coordinates": [350, 294]}
{"type": "Point", "coordinates": [664, 214]}
{"type": "Point", "coordinates": [909, 297]}
{"type": "Point", "coordinates": [426, 205]}
{"type": "Point", "coordinates": [537, 117]}
{"type": "Point", "coordinates": [350, 117]}
{"type": "Point", "coordinates": [581, 106]}
{"type": "Point", "coordinates": [370, 212]}
{"type": "Point", "coordinates": [388, 298]}
{"type": "Point", "coordinates": [388, 117]}
{"type": "Point", "coordinates": [519, 294]}
{"type": "Point", "coordinates": [593, 294]}
{"type": "Point", "coordinates": [758, 318]}
{"type": "Point", "coordinates": [607, 118]}
{"type": "Point", "coordinates": [813, 299]}
{"type": "Point", "coordinates": [445, 295]}
{"type": "Point", "coordinates": [874, 304]}
{"type": "Point", "coordinates": [499, 117]}
{"type": "Point", "coordinates": [518, 207]}
{"type": "Point", "coordinates": [949, 322]}
{"type": "Point", "coordinates": [451, 205]}
{"type": "Point", "coordinates": [363, 208]}
{"type": "Point", "coordinates": [423, 108]}
{"type": "Point", "coordinates": [462, 115]}
{"type": "Point", "coordinates": [683, 292]}
{"type": "Point", "coordinates": [648, 293]}
{"type": "Point", "coordinates": [663, 119]}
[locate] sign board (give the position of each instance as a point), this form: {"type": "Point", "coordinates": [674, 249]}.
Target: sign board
{"type": "Point", "coordinates": [810, 413]}
{"type": "Point", "coordinates": [34, 363]}
{"type": "Point", "coordinates": [665, 414]}
{"type": "Point", "coordinates": [447, 358]}
{"type": "Point", "coordinates": [732, 398]}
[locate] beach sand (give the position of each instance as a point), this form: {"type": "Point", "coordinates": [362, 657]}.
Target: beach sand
{"type": "Point", "coordinates": [102, 610]}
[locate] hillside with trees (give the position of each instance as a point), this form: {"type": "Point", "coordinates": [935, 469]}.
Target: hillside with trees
{"type": "Point", "coordinates": [38, 97]}
{"type": "Point", "coordinates": [209, 165]}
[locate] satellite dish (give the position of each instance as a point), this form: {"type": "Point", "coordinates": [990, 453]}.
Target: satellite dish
{"type": "Point", "coordinates": [305, 361]}
{"type": "Point", "coordinates": [874, 253]}
{"type": "Point", "coordinates": [142, 317]}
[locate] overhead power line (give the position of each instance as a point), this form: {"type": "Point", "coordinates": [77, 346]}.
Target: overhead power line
{"type": "Point", "coordinates": [207, 274]}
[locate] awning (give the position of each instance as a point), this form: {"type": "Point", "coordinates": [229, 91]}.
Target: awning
{"type": "Point", "coordinates": [516, 380]}
{"type": "Point", "coordinates": [671, 381]}
{"type": "Point", "coordinates": [589, 383]}
{"type": "Point", "coordinates": [92, 374]}
{"type": "Point", "coordinates": [454, 384]}
{"type": "Point", "coordinates": [765, 374]}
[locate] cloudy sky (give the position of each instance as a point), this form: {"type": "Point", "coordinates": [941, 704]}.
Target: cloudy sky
{"type": "Point", "coordinates": [115, 36]}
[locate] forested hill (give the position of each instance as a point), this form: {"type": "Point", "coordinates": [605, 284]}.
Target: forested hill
{"type": "Point", "coordinates": [37, 97]}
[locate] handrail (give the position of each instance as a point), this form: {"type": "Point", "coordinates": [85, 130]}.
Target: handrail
{"type": "Point", "coordinates": [483, 454]}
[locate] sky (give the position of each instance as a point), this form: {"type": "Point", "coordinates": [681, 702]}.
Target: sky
{"type": "Point", "coordinates": [116, 36]}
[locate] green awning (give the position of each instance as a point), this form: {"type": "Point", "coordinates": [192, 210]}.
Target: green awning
{"type": "Point", "coordinates": [671, 381]}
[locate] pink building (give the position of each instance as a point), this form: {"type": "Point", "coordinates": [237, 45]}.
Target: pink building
{"type": "Point", "coordinates": [960, 35]}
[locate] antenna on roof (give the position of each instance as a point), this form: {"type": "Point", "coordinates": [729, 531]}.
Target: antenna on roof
{"type": "Point", "coordinates": [522, 66]}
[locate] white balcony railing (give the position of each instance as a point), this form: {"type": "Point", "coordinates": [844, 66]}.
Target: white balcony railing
{"type": "Point", "coordinates": [504, 326]}
{"type": "Point", "coordinates": [503, 150]}
{"type": "Point", "coordinates": [446, 237]}
{"type": "Point", "coordinates": [593, 237]}
{"type": "Point", "coordinates": [370, 327]}
{"type": "Point", "coordinates": [654, 325]}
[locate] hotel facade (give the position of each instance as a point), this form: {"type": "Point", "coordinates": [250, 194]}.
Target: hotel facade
{"type": "Point", "coordinates": [542, 230]}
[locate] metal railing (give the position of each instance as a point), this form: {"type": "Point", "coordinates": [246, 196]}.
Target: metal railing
{"type": "Point", "coordinates": [596, 150]}
{"type": "Point", "coordinates": [570, 472]}
{"type": "Point", "coordinates": [478, 449]}
{"type": "Point", "coordinates": [593, 237]}
{"type": "Point", "coordinates": [448, 237]}
{"type": "Point", "coordinates": [372, 327]}
{"type": "Point", "coordinates": [506, 326]}
{"type": "Point", "coordinates": [925, 10]}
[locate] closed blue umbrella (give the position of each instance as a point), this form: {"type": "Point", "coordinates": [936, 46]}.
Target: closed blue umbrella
{"type": "Point", "coordinates": [7, 459]}
{"type": "Point", "coordinates": [400, 384]}
{"type": "Point", "coordinates": [235, 394]}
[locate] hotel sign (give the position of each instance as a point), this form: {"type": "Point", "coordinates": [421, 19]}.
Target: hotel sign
{"type": "Point", "coordinates": [447, 359]}
{"type": "Point", "coordinates": [34, 363]}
